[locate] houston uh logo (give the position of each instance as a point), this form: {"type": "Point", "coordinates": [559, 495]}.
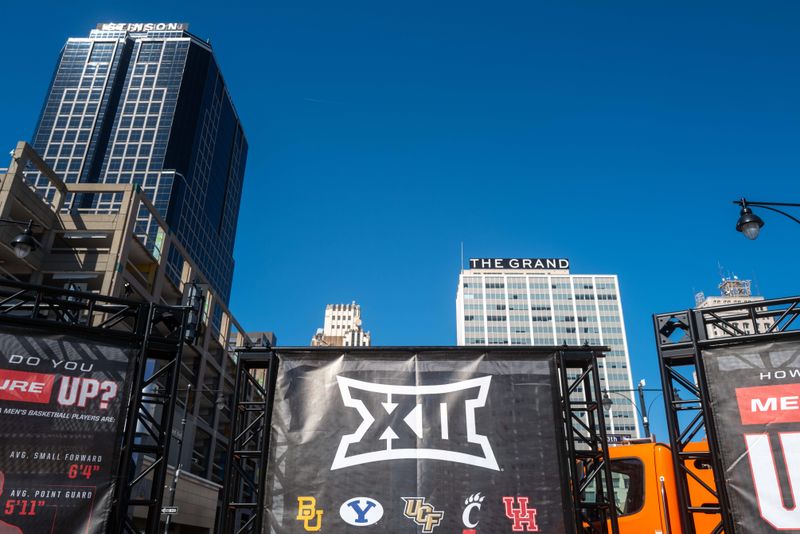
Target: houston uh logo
{"type": "Point", "coordinates": [307, 513]}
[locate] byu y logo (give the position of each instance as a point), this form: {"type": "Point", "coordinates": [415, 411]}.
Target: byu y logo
{"type": "Point", "coordinates": [418, 422]}
{"type": "Point", "coordinates": [361, 511]}
{"type": "Point", "coordinates": [307, 513]}
{"type": "Point", "coordinates": [422, 513]}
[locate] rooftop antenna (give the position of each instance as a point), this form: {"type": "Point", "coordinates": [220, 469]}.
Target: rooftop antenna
{"type": "Point", "coordinates": [462, 256]}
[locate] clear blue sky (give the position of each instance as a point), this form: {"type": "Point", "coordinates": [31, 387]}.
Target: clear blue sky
{"type": "Point", "coordinates": [383, 134]}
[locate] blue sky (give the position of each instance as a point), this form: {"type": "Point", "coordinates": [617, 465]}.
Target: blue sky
{"type": "Point", "coordinates": [382, 135]}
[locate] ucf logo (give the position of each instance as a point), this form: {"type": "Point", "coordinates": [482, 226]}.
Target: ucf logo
{"type": "Point", "coordinates": [422, 513]}
{"type": "Point", "coordinates": [418, 422]}
{"type": "Point", "coordinates": [307, 513]}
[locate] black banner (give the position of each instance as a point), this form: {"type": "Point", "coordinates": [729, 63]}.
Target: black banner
{"type": "Point", "coordinates": [755, 404]}
{"type": "Point", "coordinates": [426, 442]}
{"type": "Point", "coordinates": [61, 415]}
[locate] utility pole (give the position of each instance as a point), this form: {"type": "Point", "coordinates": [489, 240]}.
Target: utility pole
{"type": "Point", "coordinates": [645, 420]}
{"type": "Point", "coordinates": [180, 455]}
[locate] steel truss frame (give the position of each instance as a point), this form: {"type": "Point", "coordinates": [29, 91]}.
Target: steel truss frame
{"type": "Point", "coordinates": [586, 441]}
{"type": "Point", "coordinates": [583, 430]}
{"type": "Point", "coordinates": [681, 338]}
{"type": "Point", "coordinates": [248, 450]}
{"type": "Point", "coordinates": [157, 330]}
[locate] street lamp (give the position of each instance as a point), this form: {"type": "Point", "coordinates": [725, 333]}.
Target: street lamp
{"type": "Point", "coordinates": [219, 403]}
{"type": "Point", "coordinates": [608, 402]}
{"type": "Point", "coordinates": [24, 243]}
{"type": "Point", "coordinates": [750, 224]}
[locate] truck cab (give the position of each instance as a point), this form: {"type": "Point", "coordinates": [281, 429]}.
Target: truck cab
{"type": "Point", "coordinates": [645, 489]}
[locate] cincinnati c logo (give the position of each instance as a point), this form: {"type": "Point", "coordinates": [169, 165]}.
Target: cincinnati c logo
{"type": "Point", "coordinates": [415, 422]}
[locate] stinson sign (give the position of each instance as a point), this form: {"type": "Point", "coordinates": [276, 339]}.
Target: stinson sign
{"type": "Point", "coordinates": [142, 26]}
{"type": "Point", "coordinates": [519, 263]}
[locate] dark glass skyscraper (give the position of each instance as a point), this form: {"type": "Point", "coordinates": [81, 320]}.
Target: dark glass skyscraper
{"type": "Point", "coordinates": [147, 104]}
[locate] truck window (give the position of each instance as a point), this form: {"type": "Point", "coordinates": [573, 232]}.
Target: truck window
{"type": "Point", "coordinates": [627, 476]}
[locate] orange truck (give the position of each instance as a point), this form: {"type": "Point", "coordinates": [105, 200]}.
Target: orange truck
{"type": "Point", "coordinates": [645, 489]}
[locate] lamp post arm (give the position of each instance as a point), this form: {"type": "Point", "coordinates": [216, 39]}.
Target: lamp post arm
{"type": "Point", "coordinates": [795, 219]}
{"type": "Point", "coordinates": [769, 206]}
{"type": "Point", "coordinates": [628, 399]}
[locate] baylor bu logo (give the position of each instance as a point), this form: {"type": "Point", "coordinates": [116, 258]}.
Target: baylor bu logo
{"type": "Point", "coordinates": [418, 422]}
{"type": "Point", "coordinates": [765, 478]}
{"type": "Point", "coordinates": [307, 513]}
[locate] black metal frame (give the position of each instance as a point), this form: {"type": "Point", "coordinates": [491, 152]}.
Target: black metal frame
{"type": "Point", "coordinates": [248, 447]}
{"type": "Point", "coordinates": [158, 332]}
{"type": "Point", "coordinates": [148, 427]}
{"type": "Point", "coordinates": [586, 440]}
{"type": "Point", "coordinates": [584, 431]}
{"type": "Point", "coordinates": [689, 415]}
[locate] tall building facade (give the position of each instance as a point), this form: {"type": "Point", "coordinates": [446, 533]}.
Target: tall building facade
{"type": "Point", "coordinates": [342, 327]}
{"type": "Point", "coordinates": [147, 104]}
{"type": "Point", "coordinates": [530, 301]}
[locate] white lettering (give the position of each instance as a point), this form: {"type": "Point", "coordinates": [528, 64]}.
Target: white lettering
{"type": "Point", "coordinates": [770, 405]}
{"type": "Point", "coordinates": [21, 385]}
{"type": "Point", "coordinates": [513, 263]}
{"type": "Point", "coordinates": [789, 403]}
{"type": "Point", "coordinates": [765, 478]}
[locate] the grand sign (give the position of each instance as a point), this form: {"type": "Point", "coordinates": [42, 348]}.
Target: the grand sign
{"type": "Point", "coordinates": [142, 26]}
{"type": "Point", "coordinates": [520, 263]}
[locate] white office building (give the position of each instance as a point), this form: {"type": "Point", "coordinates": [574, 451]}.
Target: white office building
{"type": "Point", "coordinates": [529, 301]}
{"type": "Point", "coordinates": [732, 291]}
{"type": "Point", "coordinates": [342, 328]}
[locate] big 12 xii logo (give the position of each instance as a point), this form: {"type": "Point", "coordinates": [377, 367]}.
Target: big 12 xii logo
{"type": "Point", "coordinates": [436, 422]}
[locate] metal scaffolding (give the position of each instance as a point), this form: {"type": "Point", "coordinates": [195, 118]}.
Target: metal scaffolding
{"type": "Point", "coordinates": [681, 338]}
{"type": "Point", "coordinates": [157, 332]}
{"type": "Point", "coordinates": [590, 488]}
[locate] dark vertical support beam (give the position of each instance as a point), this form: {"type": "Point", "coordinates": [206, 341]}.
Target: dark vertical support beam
{"type": "Point", "coordinates": [569, 431]}
{"type": "Point", "coordinates": [673, 429]}
{"type": "Point", "coordinates": [246, 465]}
{"type": "Point", "coordinates": [600, 441]}
{"type": "Point", "coordinates": [127, 464]}
{"type": "Point", "coordinates": [225, 519]}
{"type": "Point", "coordinates": [696, 324]}
{"type": "Point", "coordinates": [586, 439]}
{"type": "Point", "coordinates": [152, 405]}
{"type": "Point", "coordinates": [272, 376]}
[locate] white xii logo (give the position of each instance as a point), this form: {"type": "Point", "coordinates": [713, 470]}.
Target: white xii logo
{"type": "Point", "coordinates": [427, 416]}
